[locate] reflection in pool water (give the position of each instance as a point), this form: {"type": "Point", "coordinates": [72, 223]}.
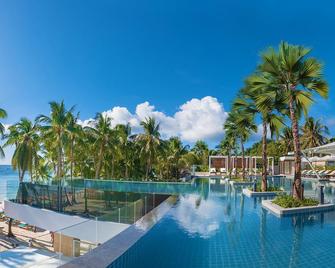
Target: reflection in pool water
{"type": "Point", "coordinates": [226, 229]}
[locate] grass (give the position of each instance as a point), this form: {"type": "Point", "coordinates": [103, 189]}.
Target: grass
{"type": "Point", "coordinates": [288, 201]}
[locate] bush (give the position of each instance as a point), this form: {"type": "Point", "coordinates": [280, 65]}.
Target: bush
{"type": "Point", "coordinates": [288, 201]}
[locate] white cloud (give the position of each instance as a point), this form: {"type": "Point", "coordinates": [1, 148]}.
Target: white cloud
{"type": "Point", "coordinates": [196, 119]}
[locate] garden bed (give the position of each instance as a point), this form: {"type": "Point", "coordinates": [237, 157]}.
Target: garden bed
{"type": "Point", "coordinates": [287, 205]}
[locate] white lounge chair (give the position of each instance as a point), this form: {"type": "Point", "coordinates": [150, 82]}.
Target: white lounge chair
{"type": "Point", "coordinates": [223, 171]}
{"type": "Point", "coordinates": [212, 171]}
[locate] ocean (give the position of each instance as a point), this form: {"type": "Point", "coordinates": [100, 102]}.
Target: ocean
{"type": "Point", "coordinates": [9, 182]}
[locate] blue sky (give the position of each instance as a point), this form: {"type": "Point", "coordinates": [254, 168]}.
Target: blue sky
{"type": "Point", "coordinates": [101, 54]}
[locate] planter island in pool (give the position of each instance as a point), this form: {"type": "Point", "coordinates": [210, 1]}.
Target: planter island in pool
{"type": "Point", "coordinates": [249, 193]}
{"type": "Point", "coordinates": [280, 211]}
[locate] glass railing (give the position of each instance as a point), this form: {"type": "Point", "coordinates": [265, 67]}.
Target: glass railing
{"type": "Point", "coordinates": [107, 205]}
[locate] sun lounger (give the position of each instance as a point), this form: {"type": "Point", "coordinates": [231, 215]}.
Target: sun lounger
{"type": "Point", "coordinates": [223, 171]}
{"type": "Point", "coordinates": [331, 174]}
{"type": "Point", "coordinates": [212, 171]}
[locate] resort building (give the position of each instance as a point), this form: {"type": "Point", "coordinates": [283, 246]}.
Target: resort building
{"type": "Point", "coordinates": [319, 158]}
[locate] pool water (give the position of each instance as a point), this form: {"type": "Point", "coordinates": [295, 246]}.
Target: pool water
{"type": "Point", "coordinates": [226, 229]}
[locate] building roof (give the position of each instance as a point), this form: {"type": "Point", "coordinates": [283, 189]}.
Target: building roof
{"type": "Point", "coordinates": [323, 149]}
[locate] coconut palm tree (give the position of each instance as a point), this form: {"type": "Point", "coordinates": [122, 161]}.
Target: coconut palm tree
{"type": "Point", "coordinates": [286, 139]}
{"type": "Point", "coordinates": [313, 133]}
{"type": "Point", "coordinates": [74, 132]}
{"type": "Point", "coordinates": [260, 97]}
{"type": "Point", "coordinates": [241, 124]}
{"type": "Point", "coordinates": [175, 152]}
{"type": "Point", "coordinates": [297, 76]}
{"type": "Point", "coordinates": [101, 132]}
{"type": "Point", "coordinates": [150, 142]}
{"type": "Point", "coordinates": [201, 150]}
{"type": "Point", "coordinates": [54, 130]}
{"type": "Point", "coordinates": [227, 145]}
{"type": "Point", "coordinates": [24, 135]}
{"type": "Point", "coordinates": [3, 114]}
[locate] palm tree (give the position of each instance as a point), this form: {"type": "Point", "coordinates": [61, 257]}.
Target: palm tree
{"type": "Point", "coordinates": [297, 76]}
{"type": "Point", "coordinates": [200, 149]}
{"type": "Point", "coordinates": [55, 130]}
{"type": "Point", "coordinates": [313, 133]}
{"type": "Point", "coordinates": [176, 150]}
{"type": "Point", "coordinates": [24, 135]}
{"type": "Point", "coordinates": [227, 145]}
{"type": "Point", "coordinates": [101, 132]}
{"type": "Point", "coordinates": [260, 97]}
{"type": "Point", "coordinates": [123, 133]}
{"type": "Point", "coordinates": [74, 132]}
{"type": "Point", "coordinates": [241, 124]}
{"type": "Point", "coordinates": [150, 142]}
{"type": "Point", "coordinates": [3, 114]}
{"type": "Point", "coordinates": [286, 139]}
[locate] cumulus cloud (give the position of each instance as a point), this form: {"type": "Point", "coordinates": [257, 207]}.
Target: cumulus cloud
{"type": "Point", "coordinates": [196, 119]}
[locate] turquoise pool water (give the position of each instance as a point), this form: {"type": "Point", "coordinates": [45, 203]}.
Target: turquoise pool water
{"type": "Point", "coordinates": [226, 229]}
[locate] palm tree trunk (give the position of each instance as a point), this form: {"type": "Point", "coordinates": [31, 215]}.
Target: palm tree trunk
{"type": "Point", "coordinates": [97, 171]}
{"type": "Point", "coordinates": [229, 167]}
{"type": "Point", "coordinates": [264, 158]}
{"type": "Point", "coordinates": [297, 189]}
{"type": "Point", "coordinates": [243, 167]}
{"type": "Point", "coordinates": [10, 233]}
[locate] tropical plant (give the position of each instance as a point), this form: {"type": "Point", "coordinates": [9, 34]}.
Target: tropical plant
{"type": "Point", "coordinates": [241, 125]}
{"type": "Point", "coordinates": [54, 130]}
{"type": "Point", "coordinates": [259, 96]}
{"type": "Point", "coordinates": [101, 133]}
{"type": "Point", "coordinates": [313, 133]}
{"type": "Point", "coordinates": [297, 76]}
{"type": "Point", "coordinates": [3, 114]}
{"type": "Point", "coordinates": [24, 135]}
{"type": "Point", "coordinates": [150, 142]}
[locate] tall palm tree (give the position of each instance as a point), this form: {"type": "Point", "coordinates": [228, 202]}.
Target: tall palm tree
{"type": "Point", "coordinates": [260, 97]}
{"type": "Point", "coordinates": [150, 142]}
{"type": "Point", "coordinates": [241, 124]}
{"type": "Point", "coordinates": [3, 114]}
{"type": "Point", "coordinates": [286, 139]}
{"type": "Point", "coordinates": [176, 151]}
{"type": "Point", "coordinates": [123, 133]}
{"type": "Point", "coordinates": [313, 133]}
{"type": "Point", "coordinates": [297, 76]}
{"type": "Point", "coordinates": [74, 132]}
{"type": "Point", "coordinates": [101, 132]}
{"type": "Point", "coordinates": [55, 130]}
{"type": "Point", "coordinates": [201, 150]}
{"type": "Point", "coordinates": [24, 135]}
{"type": "Point", "coordinates": [227, 145]}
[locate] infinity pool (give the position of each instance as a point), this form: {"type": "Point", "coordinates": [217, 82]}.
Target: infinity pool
{"type": "Point", "coordinates": [223, 228]}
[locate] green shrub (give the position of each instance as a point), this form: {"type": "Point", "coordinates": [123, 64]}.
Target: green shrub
{"type": "Point", "coordinates": [288, 201]}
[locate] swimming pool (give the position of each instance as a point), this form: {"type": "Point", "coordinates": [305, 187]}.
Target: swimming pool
{"type": "Point", "coordinates": [226, 229]}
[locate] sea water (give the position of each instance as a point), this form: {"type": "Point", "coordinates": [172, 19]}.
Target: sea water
{"type": "Point", "coordinates": [9, 182]}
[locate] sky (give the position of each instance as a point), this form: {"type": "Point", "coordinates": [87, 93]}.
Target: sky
{"type": "Point", "coordinates": [181, 61]}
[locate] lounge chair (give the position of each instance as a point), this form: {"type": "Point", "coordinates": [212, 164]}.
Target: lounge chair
{"type": "Point", "coordinates": [212, 171]}
{"type": "Point", "coordinates": [331, 174]}
{"type": "Point", "coordinates": [223, 171]}
{"type": "Point", "coordinates": [304, 172]}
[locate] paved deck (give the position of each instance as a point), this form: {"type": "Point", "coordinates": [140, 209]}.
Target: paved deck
{"type": "Point", "coordinates": [30, 257]}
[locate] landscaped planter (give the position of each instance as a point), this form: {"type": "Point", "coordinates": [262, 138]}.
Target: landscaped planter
{"type": "Point", "coordinates": [280, 211]}
{"type": "Point", "coordinates": [249, 193]}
